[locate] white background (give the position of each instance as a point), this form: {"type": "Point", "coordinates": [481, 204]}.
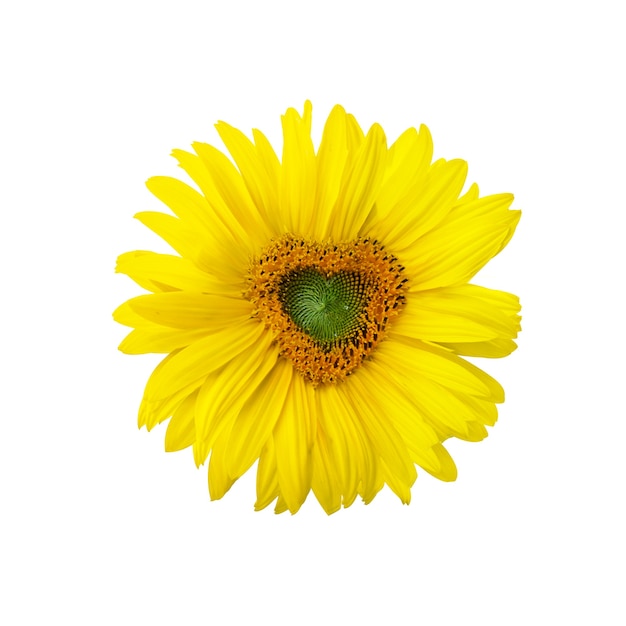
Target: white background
{"type": "Point", "coordinates": [99, 525]}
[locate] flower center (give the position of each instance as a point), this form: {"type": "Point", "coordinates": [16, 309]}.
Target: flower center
{"type": "Point", "coordinates": [327, 309]}
{"type": "Point", "coordinates": [329, 305]}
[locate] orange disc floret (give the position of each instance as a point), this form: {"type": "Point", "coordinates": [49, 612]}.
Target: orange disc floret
{"type": "Point", "coordinates": [329, 304]}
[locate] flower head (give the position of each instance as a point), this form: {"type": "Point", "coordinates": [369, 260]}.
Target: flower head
{"type": "Point", "coordinates": [316, 311]}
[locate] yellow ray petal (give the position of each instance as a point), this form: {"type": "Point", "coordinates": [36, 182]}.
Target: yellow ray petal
{"type": "Point", "coordinates": [226, 390]}
{"type": "Point", "coordinates": [396, 484]}
{"type": "Point", "coordinates": [126, 315]}
{"type": "Point", "coordinates": [353, 456]}
{"type": "Point", "coordinates": [428, 200]}
{"type": "Point", "coordinates": [257, 418]}
{"type": "Point", "coordinates": [448, 413]}
{"type": "Point", "coordinates": [446, 369]}
{"type": "Point", "coordinates": [419, 437]}
{"type": "Point", "coordinates": [153, 412]}
{"type": "Point", "coordinates": [270, 162]}
{"type": "Point", "coordinates": [447, 468]}
{"type": "Point", "coordinates": [469, 196]}
{"type": "Point", "coordinates": [189, 205]}
{"type": "Point", "coordinates": [201, 449]}
{"type": "Point", "coordinates": [219, 479]}
{"type": "Point", "coordinates": [207, 254]}
{"type": "Point", "coordinates": [193, 364]}
{"type": "Point", "coordinates": [428, 325]}
{"type": "Point", "coordinates": [260, 184]}
{"type": "Point", "coordinates": [160, 340]}
{"type": "Point", "coordinates": [408, 162]}
{"type": "Point", "coordinates": [452, 253]}
{"type": "Point", "coordinates": [355, 134]}
{"type": "Point", "coordinates": [441, 408]}
{"type": "Point", "coordinates": [196, 213]}
{"type": "Point", "coordinates": [384, 437]}
{"type": "Point", "coordinates": [188, 310]}
{"type": "Point", "coordinates": [298, 173]}
{"type": "Point", "coordinates": [325, 481]}
{"type": "Point", "coordinates": [294, 436]}
{"type": "Point", "coordinates": [165, 272]}
{"type": "Point", "coordinates": [181, 237]}
{"type": "Point", "coordinates": [281, 505]}
{"type": "Point", "coordinates": [494, 349]}
{"type": "Point", "coordinates": [267, 489]}
{"type": "Point", "coordinates": [348, 465]}
{"type": "Point", "coordinates": [494, 206]}
{"type": "Point", "coordinates": [466, 313]}
{"type": "Point", "coordinates": [475, 432]}
{"type": "Point", "coordinates": [485, 411]}
{"type": "Point", "coordinates": [181, 430]}
{"type": "Point", "coordinates": [359, 186]}
{"type": "Point", "coordinates": [331, 160]}
{"type": "Point", "coordinates": [229, 195]}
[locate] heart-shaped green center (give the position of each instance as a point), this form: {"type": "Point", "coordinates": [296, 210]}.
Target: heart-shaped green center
{"type": "Point", "coordinates": [328, 308]}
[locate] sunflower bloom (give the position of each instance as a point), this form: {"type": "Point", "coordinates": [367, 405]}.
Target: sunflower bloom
{"type": "Point", "coordinates": [317, 309]}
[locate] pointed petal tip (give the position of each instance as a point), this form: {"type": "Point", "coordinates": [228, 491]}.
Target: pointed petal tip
{"type": "Point", "coordinates": [377, 131]}
{"type": "Point", "coordinates": [337, 109]}
{"type": "Point", "coordinates": [460, 164]}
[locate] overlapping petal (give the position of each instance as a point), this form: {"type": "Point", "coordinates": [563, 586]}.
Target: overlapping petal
{"type": "Point", "coordinates": [166, 272]}
{"type": "Point", "coordinates": [463, 314]}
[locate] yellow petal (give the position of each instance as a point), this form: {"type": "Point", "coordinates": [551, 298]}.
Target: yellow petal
{"type": "Point", "coordinates": [188, 310]}
{"type": "Point", "coordinates": [396, 484]}
{"type": "Point", "coordinates": [165, 272]}
{"type": "Point", "coordinates": [355, 134]}
{"type": "Point", "coordinates": [384, 437]}
{"type": "Point", "coordinates": [260, 184]}
{"type": "Point", "coordinates": [418, 436]}
{"type": "Point", "coordinates": [359, 186]}
{"type": "Point", "coordinates": [428, 325]}
{"type": "Point", "coordinates": [454, 251]}
{"type": "Point", "coordinates": [447, 468]}
{"type": "Point", "coordinates": [160, 340]}
{"type": "Point", "coordinates": [226, 390]}
{"type": "Point", "coordinates": [331, 160]}
{"type": "Point", "coordinates": [294, 435]}
{"type": "Point", "coordinates": [325, 481]}
{"type": "Point", "coordinates": [494, 349]}
{"type": "Point", "coordinates": [271, 164]}
{"type": "Point", "coordinates": [466, 313]}
{"type": "Point", "coordinates": [408, 162]}
{"type": "Point", "coordinates": [155, 411]}
{"type": "Point", "coordinates": [415, 357]}
{"type": "Point", "coordinates": [221, 214]}
{"type": "Point", "coordinates": [298, 173]}
{"type": "Point", "coordinates": [193, 364]}
{"type": "Point", "coordinates": [257, 418]}
{"type": "Point", "coordinates": [181, 431]}
{"type": "Point", "coordinates": [196, 213]}
{"type": "Point", "coordinates": [428, 200]}
{"type": "Point", "coordinates": [126, 315]}
{"type": "Point", "coordinates": [191, 243]}
{"type": "Point", "coordinates": [281, 505]}
{"type": "Point", "coordinates": [219, 479]}
{"type": "Point", "coordinates": [450, 413]}
{"type": "Point", "coordinates": [351, 449]}
{"type": "Point", "coordinates": [267, 489]}
{"type": "Point", "coordinates": [230, 198]}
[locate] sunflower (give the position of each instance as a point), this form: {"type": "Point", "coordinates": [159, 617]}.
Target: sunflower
{"type": "Point", "coordinates": [317, 309]}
